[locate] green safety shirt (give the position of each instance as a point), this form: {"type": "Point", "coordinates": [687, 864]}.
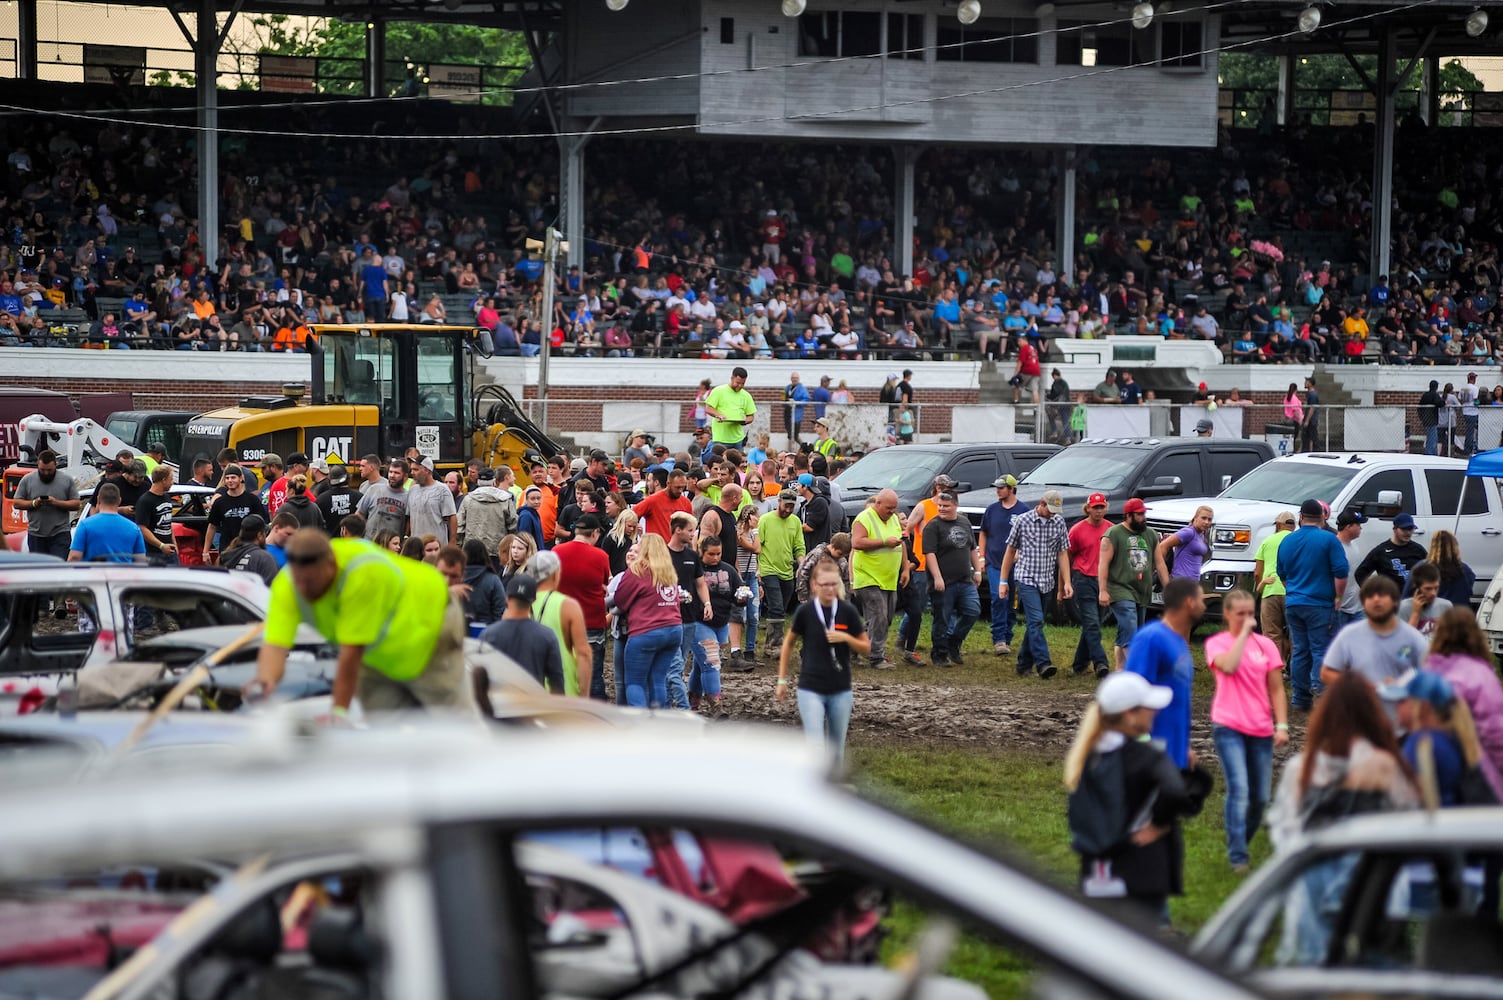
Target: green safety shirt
{"type": "Point", "coordinates": [391, 605]}
{"type": "Point", "coordinates": [878, 567]}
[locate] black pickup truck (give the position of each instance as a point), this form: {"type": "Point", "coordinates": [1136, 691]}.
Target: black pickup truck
{"type": "Point", "coordinates": [1146, 468]}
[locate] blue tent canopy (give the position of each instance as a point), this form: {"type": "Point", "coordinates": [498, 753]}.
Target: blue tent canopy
{"type": "Point", "coordinates": [1486, 463]}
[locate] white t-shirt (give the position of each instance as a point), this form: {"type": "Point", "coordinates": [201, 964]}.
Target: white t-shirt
{"type": "Point", "coordinates": [399, 307]}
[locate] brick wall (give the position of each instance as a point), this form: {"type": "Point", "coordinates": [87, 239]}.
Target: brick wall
{"type": "Point", "coordinates": [566, 417]}
{"type": "Point", "coordinates": [164, 394]}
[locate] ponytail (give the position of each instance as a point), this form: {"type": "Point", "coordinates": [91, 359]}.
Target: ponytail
{"type": "Point", "coordinates": [1462, 726]}
{"type": "Point", "coordinates": [1092, 725]}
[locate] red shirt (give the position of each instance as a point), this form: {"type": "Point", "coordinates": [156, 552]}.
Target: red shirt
{"type": "Point", "coordinates": [1085, 545]}
{"type": "Point", "coordinates": [646, 605]}
{"type": "Point", "coordinates": [276, 495]}
{"type": "Point", "coordinates": [585, 572]}
{"type": "Point", "coordinates": [657, 509]}
{"type": "Point", "coordinates": [1028, 359]}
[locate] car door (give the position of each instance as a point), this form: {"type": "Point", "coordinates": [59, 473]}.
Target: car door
{"type": "Point", "coordinates": [975, 470]}
{"type": "Point", "coordinates": [1183, 464]}
{"type": "Point", "coordinates": [50, 626]}
{"type": "Point", "coordinates": [148, 609]}
{"type": "Point", "coordinates": [1465, 505]}
{"type": "Point", "coordinates": [1021, 461]}
{"type": "Point", "coordinates": [1230, 464]}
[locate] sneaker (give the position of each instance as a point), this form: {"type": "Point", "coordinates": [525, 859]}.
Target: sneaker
{"type": "Point", "coordinates": [956, 659]}
{"type": "Point", "coordinates": [940, 661]}
{"type": "Point", "coordinates": [1047, 671]}
{"type": "Point", "coordinates": [913, 659]}
{"type": "Point", "coordinates": [883, 665]}
{"type": "Point", "coordinates": [1102, 670]}
{"type": "Point", "coordinates": [1001, 649]}
{"type": "Point", "coordinates": [1080, 671]}
{"type": "Point", "coordinates": [1240, 869]}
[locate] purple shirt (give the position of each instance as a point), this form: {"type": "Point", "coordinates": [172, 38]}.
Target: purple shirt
{"type": "Point", "coordinates": [1189, 553]}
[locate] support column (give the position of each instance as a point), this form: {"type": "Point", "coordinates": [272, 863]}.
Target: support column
{"type": "Point", "coordinates": [1064, 238]}
{"type": "Point", "coordinates": [26, 39]}
{"type": "Point", "coordinates": [904, 158]}
{"type": "Point", "coordinates": [375, 58]}
{"type": "Point", "coordinates": [1287, 64]}
{"type": "Point", "coordinates": [1383, 132]}
{"type": "Point", "coordinates": [1429, 107]}
{"type": "Point", "coordinates": [206, 83]}
{"type": "Point", "coordinates": [571, 152]}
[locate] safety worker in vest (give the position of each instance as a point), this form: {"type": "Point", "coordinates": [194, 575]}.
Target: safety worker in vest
{"type": "Point", "coordinates": [824, 444]}
{"type": "Point", "coordinates": [399, 632]}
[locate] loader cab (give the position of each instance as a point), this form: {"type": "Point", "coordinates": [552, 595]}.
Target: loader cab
{"type": "Point", "coordinates": [415, 376]}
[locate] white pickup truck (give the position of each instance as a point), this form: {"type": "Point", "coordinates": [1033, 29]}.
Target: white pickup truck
{"type": "Point", "coordinates": [1381, 484]}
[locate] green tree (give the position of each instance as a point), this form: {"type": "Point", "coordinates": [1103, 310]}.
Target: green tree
{"type": "Point", "coordinates": [340, 48]}
{"type": "Point", "coordinates": [1316, 76]}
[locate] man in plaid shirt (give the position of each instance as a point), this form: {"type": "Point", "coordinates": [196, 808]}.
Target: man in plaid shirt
{"type": "Point", "coordinates": [1038, 558]}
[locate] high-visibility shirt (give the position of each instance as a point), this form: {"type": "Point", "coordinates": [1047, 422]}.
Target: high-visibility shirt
{"type": "Point", "coordinates": [931, 511]}
{"type": "Point", "coordinates": [828, 447]}
{"type": "Point", "coordinates": [782, 545]}
{"type": "Point", "coordinates": [878, 567]}
{"type": "Point", "coordinates": [548, 609]}
{"type": "Point", "coordinates": [391, 605]}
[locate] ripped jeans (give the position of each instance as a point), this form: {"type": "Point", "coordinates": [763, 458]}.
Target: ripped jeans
{"type": "Point", "coordinates": [709, 641]}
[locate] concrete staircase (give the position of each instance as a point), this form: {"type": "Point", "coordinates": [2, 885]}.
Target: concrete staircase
{"type": "Point", "coordinates": [993, 388]}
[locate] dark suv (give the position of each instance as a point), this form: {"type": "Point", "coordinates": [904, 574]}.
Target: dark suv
{"type": "Point", "coordinates": [910, 470]}
{"type": "Point", "coordinates": [1123, 468]}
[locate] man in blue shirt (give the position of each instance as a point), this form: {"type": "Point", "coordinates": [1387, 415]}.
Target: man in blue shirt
{"type": "Point", "coordinates": [373, 285]}
{"type": "Point", "coordinates": [996, 528]}
{"type": "Point", "coordinates": [107, 534]}
{"type": "Point", "coordinates": [821, 396]}
{"type": "Point", "coordinates": [1161, 653]}
{"type": "Point", "coordinates": [1314, 569]}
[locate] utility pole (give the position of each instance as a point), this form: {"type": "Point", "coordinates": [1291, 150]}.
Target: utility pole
{"type": "Point", "coordinates": [552, 244]}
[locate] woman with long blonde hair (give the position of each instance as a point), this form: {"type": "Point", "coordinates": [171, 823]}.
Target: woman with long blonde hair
{"type": "Point", "coordinates": [513, 552]}
{"type": "Point", "coordinates": [648, 595]}
{"type": "Point", "coordinates": [618, 541]}
{"type": "Point", "coordinates": [1190, 545]}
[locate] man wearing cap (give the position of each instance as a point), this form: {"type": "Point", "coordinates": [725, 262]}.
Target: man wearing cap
{"type": "Point", "coordinates": [249, 554]}
{"type": "Point", "coordinates": [731, 410]}
{"type": "Point", "coordinates": [1085, 568]}
{"type": "Point", "coordinates": [1267, 586]}
{"type": "Point", "coordinates": [1348, 530]}
{"type": "Point", "coordinates": [399, 632]}
{"type": "Point", "coordinates": [338, 500]}
{"type": "Point", "coordinates": [232, 504]}
{"type": "Point", "coordinates": [1126, 567]}
{"type": "Point", "coordinates": [487, 514]}
{"type": "Point", "coordinates": [701, 447]}
{"type": "Point", "coordinates": [276, 493]}
{"type": "Point", "coordinates": [1160, 653]}
{"type": "Point", "coordinates": [1395, 557]}
{"type": "Point", "coordinates": [878, 568]}
{"type": "Point", "coordinates": [782, 538]}
{"type": "Point", "coordinates": [825, 444]}
{"type": "Point", "coordinates": [815, 513]}
{"type": "Point", "coordinates": [156, 454]}
{"type": "Point", "coordinates": [271, 471]}
{"type": "Point", "coordinates": [1204, 428]}
{"type": "Point", "coordinates": [318, 478]}
{"type": "Point", "coordinates": [1380, 648]}
{"type": "Point", "coordinates": [1038, 549]}
{"type": "Point", "coordinates": [638, 443]}
{"type": "Point", "coordinates": [996, 526]}
{"type": "Point", "coordinates": [133, 483]}
{"type": "Point", "coordinates": [955, 568]}
{"type": "Point", "coordinates": [531, 644]}
{"type": "Point", "coordinates": [1313, 566]}
{"type": "Point", "coordinates": [584, 571]}
{"type": "Point", "coordinates": [384, 504]}
{"type": "Point", "coordinates": [430, 505]}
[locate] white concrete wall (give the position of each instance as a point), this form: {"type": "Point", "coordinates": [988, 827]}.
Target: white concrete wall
{"type": "Point", "coordinates": [17, 364]}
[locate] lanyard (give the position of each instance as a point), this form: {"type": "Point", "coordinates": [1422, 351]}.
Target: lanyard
{"type": "Point", "coordinates": [829, 626]}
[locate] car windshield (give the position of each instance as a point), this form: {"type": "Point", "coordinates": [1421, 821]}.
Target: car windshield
{"type": "Point", "coordinates": [1085, 467]}
{"type": "Point", "coordinates": [1291, 483]}
{"type": "Point", "coordinates": [901, 469]}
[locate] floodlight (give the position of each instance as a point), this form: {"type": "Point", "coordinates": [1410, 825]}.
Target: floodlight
{"type": "Point", "coordinates": [1309, 19]}
{"type": "Point", "coordinates": [1476, 23]}
{"type": "Point", "coordinates": [793, 8]}
{"type": "Point", "coordinates": [969, 11]}
{"type": "Point", "coordinates": [1142, 15]}
{"type": "Point", "coordinates": [617, 4]}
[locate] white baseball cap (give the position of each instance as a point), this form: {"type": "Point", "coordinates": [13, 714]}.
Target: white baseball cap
{"type": "Point", "coordinates": [1124, 690]}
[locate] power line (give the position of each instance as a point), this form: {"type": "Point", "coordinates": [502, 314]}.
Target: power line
{"type": "Point", "coordinates": [689, 127]}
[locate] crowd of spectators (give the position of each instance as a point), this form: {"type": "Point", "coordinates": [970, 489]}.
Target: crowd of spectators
{"type": "Point", "coordinates": [696, 249]}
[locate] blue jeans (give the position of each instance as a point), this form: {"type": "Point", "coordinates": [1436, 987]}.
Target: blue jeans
{"type": "Point", "coordinates": [1340, 620]}
{"type": "Point", "coordinates": [618, 669]}
{"type": "Point", "coordinates": [957, 608]}
{"type": "Point", "coordinates": [1247, 764]}
{"type": "Point", "coordinates": [912, 599]}
{"type": "Point", "coordinates": [1471, 433]}
{"type": "Point", "coordinates": [825, 717]}
{"type": "Point", "coordinates": [1309, 635]}
{"type": "Point", "coordinates": [598, 640]}
{"type": "Point", "coordinates": [1088, 651]}
{"type": "Point", "coordinates": [708, 642]}
{"type": "Point", "coordinates": [678, 689]}
{"type": "Point", "coordinates": [649, 661]}
{"type": "Point", "coordinates": [748, 615]}
{"type": "Point", "coordinates": [1034, 653]}
{"type": "Point", "coordinates": [1004, 615]}
{"type": "Point", "coordinates": [1432, 437]}
{"type": "Point", "coordinates": [1129, 617]}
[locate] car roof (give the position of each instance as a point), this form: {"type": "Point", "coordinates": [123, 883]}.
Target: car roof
{"type": "Point", "coordinates": [1411, 828]}
{"type": "Point", "coordinates": [1150, 443]}
{"type": "Point", "coordinates": [1359, 458]}
{"type": "Point", "coordinates": [946, 447]}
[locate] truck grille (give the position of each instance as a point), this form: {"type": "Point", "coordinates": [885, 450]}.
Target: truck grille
{"type": "Point", "coordinates": [1165, 527]}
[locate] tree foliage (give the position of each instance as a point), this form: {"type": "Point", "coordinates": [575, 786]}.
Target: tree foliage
{"type": "Point", "coordinates": [1328, 71]}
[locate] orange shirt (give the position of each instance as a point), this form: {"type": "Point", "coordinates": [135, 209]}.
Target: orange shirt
{"type": "Point", "coordinates": [548, 511]}
{"type": "Point", "coordinates": [931, 511]}
{"type": "Point", "coordinates": [203, 308]}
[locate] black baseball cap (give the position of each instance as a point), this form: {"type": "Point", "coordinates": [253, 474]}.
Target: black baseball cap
{"type": "Point", "coordinates": [297, 458]}
{"type": "Point", "coordinates": [522, 587]}
{"type": "Point", "coordinates": [587, 522]}
{"type": "Point", "coordinates": [1313, 510]}
{"type": "Point", "coordinates": [1350, 517]}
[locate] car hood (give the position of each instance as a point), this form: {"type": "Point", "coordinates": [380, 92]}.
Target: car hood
{"type": "Point", "coordinates": [1029, 495]}
{"type": "Point", "coordinates": [1253, 513]}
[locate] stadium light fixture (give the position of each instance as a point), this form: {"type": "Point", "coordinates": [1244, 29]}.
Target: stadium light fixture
{"type": "Point", "coordinates": [617, 5]}
{"type": "Point", "coordinates": [968, 12]}
{"type": "Point", "coordinates": [1309, 19]}
{"type": "Point", "coordinates": [1044, 9]}
{"type": "Point", "coordinates": [1476, 23]}
{"type": "Point", "coordinates": [1142, 15]}
{"type": "Point", "coordinates": [793, 8]}
{"type": "Point", "coordinates": [453, 4]}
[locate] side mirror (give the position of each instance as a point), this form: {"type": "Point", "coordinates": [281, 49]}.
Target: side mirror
{"type": "Point", "coordinates": [1226, 481]}
{"type": "Point", "coordinates": [1162, 486]}
{"type": "Point", "coordinates": [1390, 498]}
{"type": "Point", "coordinates": [963, 488]}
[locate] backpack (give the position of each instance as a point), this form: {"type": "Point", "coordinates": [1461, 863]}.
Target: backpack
{"type": "Point", "coordinates": [1097, 808]}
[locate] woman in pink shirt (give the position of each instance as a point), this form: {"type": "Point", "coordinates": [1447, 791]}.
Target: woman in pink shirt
{"type": "Point", "coordinates": [1249, 717]}
{"type": "Point", "coordinates": [648, 595]}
